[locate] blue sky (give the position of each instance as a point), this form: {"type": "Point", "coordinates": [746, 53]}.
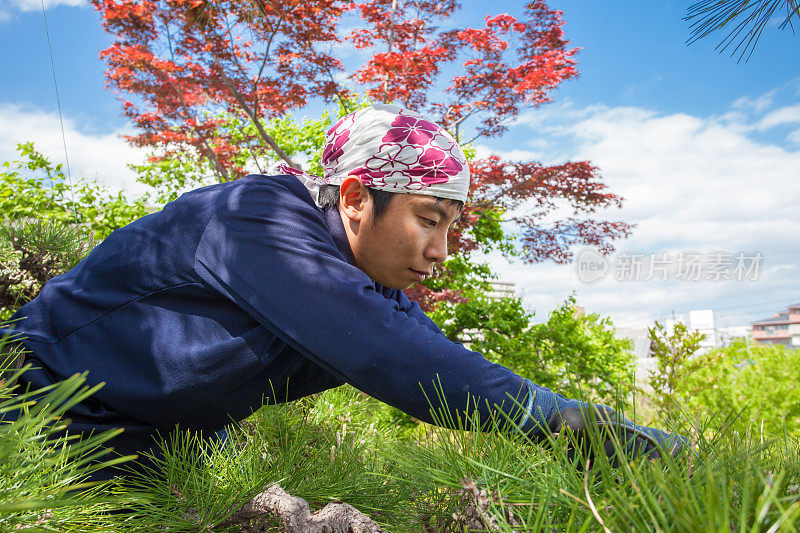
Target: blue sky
{"type": "Point", "coordinates": [706, 151]}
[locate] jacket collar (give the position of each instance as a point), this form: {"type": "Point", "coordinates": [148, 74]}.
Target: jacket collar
{"type": "Point", "coordinates": [334, 221]}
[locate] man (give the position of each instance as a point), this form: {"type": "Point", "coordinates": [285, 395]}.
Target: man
{"type": "Point", "coordinates": [272, 288]}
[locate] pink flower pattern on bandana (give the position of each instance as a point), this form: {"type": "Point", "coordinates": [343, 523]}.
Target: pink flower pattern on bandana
{"type": "Point", "coordinates": [395, 149]}
{"type": "Point", "coordinates": [337, 137]}
{"type": "Point", "coordinates": [409, 151]}
{"type": "Point", "coordinates": [411, 130]}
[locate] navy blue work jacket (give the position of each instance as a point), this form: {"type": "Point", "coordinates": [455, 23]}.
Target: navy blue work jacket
{"type": "Point", "coordinates": [238, 294]}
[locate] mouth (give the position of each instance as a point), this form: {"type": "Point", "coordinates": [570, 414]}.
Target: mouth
{"type": "Point", "coordinates": [419, 275]}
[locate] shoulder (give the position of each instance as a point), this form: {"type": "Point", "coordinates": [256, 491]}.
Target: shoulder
{"type": "Point", "coordinates": [281, 185]}
{"type": "Point", "coordinates": [263, 193]}
{"type": "Point", "coordinates": [270, 210]}
{"type": "Point", "coordinates": [268, 189]}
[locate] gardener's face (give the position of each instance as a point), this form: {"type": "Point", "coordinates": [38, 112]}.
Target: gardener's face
{"type": "Point", "coordinates": [399, 248]}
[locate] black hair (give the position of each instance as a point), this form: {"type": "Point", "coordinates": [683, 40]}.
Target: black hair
{"type": "Point", "coordinates": [329, 197]}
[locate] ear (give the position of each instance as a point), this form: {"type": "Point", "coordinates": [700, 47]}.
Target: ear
{"type": "Point", "coordinates": [353, 199]}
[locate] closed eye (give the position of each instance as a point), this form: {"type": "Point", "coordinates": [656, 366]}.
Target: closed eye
{"type": "Point", "coordinates": [428, 222]}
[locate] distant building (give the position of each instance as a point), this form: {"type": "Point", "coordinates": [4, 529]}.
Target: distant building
{"type": "Point", "coordinates": [783, 328]}
{"type": "Point", "coordinates": [503, 289]}
{"type": "Point", "coordinates": [731, 333]}
{"type": "Point", "coordinates": [701, 320]}
{"type": "Point", "coordinates": [500, 289]}
{"type": "Point", "coordinates": [645, 362]}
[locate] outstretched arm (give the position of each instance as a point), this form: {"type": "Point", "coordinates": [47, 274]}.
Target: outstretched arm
{"type": "Point", "coordinates": [270, 251]}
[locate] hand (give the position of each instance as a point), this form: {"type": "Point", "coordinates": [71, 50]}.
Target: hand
{"type": "Point", "coordinates": [587, 421]}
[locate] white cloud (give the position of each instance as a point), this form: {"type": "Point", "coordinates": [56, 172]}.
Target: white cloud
{"type": "Point", "coordinates": [688, 170]}
{"type": "Point", "coordinates": [690, 183]}
{"type": "Point", "coordinates": [779, 117]}
{"type": "Point", "coordinates": [482, 151]}
{"type": "Point", "coordinates": [36, 5]}
{"type": "Point", "coordinates": [95, 157]}
{"type": "Point", "coordinates": [9, 7]}
{"type": "Point", "coordinates": [758, 104]}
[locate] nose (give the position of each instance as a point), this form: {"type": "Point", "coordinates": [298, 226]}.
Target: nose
{"type": "Point", "coordinates": [436, 251]}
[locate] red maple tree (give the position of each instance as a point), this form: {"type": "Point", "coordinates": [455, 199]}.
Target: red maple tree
{"type": "Point", "coordinates": [506, 66]}
{"type": "Point", "coordinates": [185, 60]}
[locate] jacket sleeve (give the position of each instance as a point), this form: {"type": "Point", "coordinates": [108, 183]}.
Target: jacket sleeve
{"type": "Point", "coordinates": [409, 307]}
{"type": "Point", "coordinates": [268, 249]}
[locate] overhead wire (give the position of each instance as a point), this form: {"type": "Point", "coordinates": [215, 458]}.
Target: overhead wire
{"type": "Point", "coordinates": [60, 118]}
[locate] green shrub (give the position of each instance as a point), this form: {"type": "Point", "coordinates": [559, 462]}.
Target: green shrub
{"type": "Point", "coordinates": [33, 251]}
{"type": "Point", "coordinates": [761, 382]}
{"type": "Point", "coordinates": [43, 472]}
{"type": "Point", "coordinates": [674, 353]}
{"type": "Point", "coordinates": [35, 188]}
{"type": "Point", "coordinates": [578, 355]}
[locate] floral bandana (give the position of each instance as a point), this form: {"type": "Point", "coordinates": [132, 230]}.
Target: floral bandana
{"type": "Point", "coordinates": [391, 149]}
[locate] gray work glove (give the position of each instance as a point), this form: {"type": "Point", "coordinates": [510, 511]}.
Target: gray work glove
{"type": "Point", "coordinates": [604, 424]}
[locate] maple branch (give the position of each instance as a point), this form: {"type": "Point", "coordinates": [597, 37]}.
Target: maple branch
{"type": "Point", "coordinates": [342, 100]}
{"type": "Point", "coordinates": [209, 153]}
{"type": "Point", "coordinates": [391, 42]}
{"type": "Point", "coordinates": [413, 49]}
{"type": "Point", "coordinates": [458, 126]}
{"type": "Point", "coordinates": [250, 149]}
{"type": "Point", "coordinates": [274, 33]}
{"type": "Point", "coordinates": [264, 135]}
{"type": "Point", "coordinates": [267, 50]}
{"type": "Point", "coordinates": [205, 149]}
{"type": "Point", "coordinates": [233, 47]}
{"type": "Point", "coordinates": [391, 25]}
{"type": "Point", "coordinates": [477, 135]}
{"type": "Point", "coordinates": [269, 46]}
{"type": "Point", "coordinates": [241, 67]}
{"type": "Point", "coordinates": [169, 41]}
{"type": "Point", "coordinates": [474, 137]}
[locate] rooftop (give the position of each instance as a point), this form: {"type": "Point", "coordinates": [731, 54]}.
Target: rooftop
{"type": "Point", "coordinates": [780, 318]}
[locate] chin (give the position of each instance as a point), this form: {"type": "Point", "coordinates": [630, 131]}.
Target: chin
{"type": "Point", "coordinates": [396, 284]}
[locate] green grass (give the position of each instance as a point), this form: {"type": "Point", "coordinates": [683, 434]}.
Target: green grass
{"type": "Point", "coordinates": [344, 446]}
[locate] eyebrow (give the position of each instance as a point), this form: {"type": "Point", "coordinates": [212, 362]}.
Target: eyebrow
{"type": "Point", "coordinates": [442, 211]}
